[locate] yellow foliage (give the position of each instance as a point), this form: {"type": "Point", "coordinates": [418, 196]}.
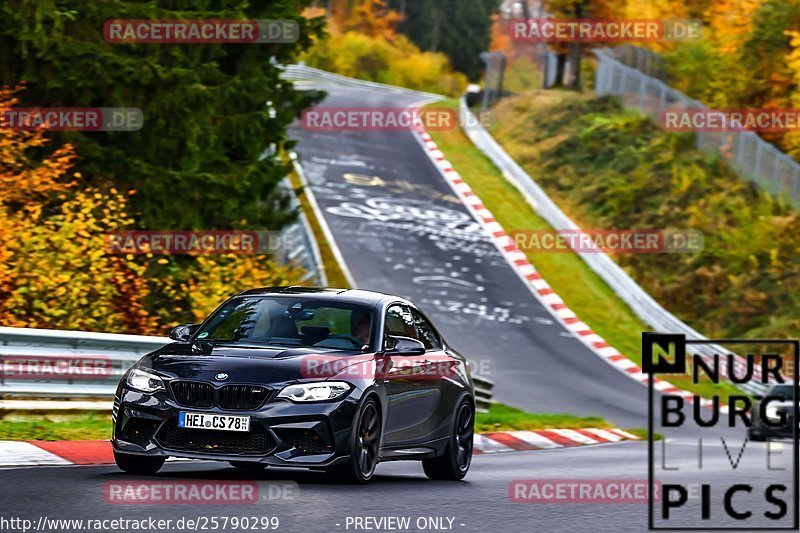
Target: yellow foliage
{"type": "Point", "coordinates": [397, 61]}
{"type": "Point", "coordinates": [56, 271]}
{"type": "Point", "coordinates": [731, 22]}
{"type": "Point", "coordinates": [64, 279]}
{"type": "Point", "coordinates": [212, 279]}
{"type": "Point", "coordinates": [792, 139]}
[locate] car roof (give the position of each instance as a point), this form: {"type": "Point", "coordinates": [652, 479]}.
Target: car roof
{"type": "Point", "coordinates": [349, 295]}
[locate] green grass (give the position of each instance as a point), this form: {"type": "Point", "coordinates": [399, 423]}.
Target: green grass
{"type": "Point", "coordinates": [505, 418]}
{"type": "Point", "coordinates": [569, 276]}
{"type": "Point", "coordinates": [78, 426]}
{"type": "Point", "coordinates": [55, 426]}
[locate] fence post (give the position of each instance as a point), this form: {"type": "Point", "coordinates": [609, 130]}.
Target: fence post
{"type": "Point", "coordinates": [487, 84]}
{"type": "Point", "coordinates": [642, 86]}
{"type": "Point", "coordinates": [757, 166]}
{"type": "Point", "coordinates": [601, 78]}
{"type": "Point", "coordinates": [740, 139]}
{"type": "Point", "coordinates": [775, 174]}
{"type": "Point", "coordinates": [622, 82]}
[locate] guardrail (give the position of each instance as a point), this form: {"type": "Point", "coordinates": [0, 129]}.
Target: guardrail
{"type": "Point", "coordinates": [301, 71]}
{"type": "Point", "coordinates": [645, 307]}
{"type": "Point", "coordinates": [483, 393]}
{"type": "Point", "coordinates": [299, 245]}
{"type": "Point", "coordinates": [119, 351]}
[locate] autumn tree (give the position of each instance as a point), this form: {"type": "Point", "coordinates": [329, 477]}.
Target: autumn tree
{"type": "Point", "coordinates": [54, 270]}
{"type": "Point", "coordinates": [460, 29]}
{"type": "Point", "coordinates": [196, 161]}
{"type": "Point", "coordinates": [576, 9]}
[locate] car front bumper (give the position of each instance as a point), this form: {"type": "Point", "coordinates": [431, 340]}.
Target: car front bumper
{"type": "Point", "coordinates": [282, 433]}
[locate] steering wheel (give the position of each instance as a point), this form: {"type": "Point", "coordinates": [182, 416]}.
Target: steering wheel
{"type": "Point", "coordinates": [356, 342]}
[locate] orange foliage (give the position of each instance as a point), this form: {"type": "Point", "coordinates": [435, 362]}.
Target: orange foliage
{"type": "Point", "coordinates": [731, 21]}
{"type": "Point", "coordinates": [370, 17]}
{"type": "Point", "coordinates": [54, 271]}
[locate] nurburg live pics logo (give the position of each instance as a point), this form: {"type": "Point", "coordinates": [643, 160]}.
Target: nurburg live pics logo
{"type": "Point", "coordinates": [746, 498]}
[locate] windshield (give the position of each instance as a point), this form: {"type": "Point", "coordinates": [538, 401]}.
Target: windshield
{"type": "Point", "coordinates": [782, 390]}
{"type": "Point", "coordinates": [285, 321]}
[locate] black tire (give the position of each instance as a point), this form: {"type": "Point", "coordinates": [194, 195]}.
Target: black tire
{"type": "Point", "coordinates": [756, 437]}
{"type": "Point", "coordinates": [138, 464]}
{"type": "Point", "coordinates": [248, 466]}
{"type": "Point", "coordinates": [454, 463]}
{"type": "Point", "coordinates": [364, 448]}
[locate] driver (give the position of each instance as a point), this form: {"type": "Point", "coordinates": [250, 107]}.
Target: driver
{"type": "Point", "coordinates": [360, 326]}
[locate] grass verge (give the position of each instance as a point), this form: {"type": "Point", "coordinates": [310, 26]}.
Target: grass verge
{"type": "Point", "coordinates": [505, 418]}
{"type": "Point", "coordinates": [55, 426]}
{"type": "Point", "coordinates": [95, 426]}
{"type": "Point", "coordinates": [569, 276]}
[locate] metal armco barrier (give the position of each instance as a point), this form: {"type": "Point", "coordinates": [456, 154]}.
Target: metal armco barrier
{"type": "Point", "coordinates": [645, 307]}
{"type": "Point", "coordinates": [483, 393]}
{"type": "Point", "coordinates": [121, 351]}
{"type": "Point", "coordinates": [299, 245]}
{"type": "Point", "coordinates": [310, 73]}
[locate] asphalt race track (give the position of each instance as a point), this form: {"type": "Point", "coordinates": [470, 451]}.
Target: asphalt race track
{"type": "Point", "coordinates": [399, 229]}
{"type": "Point", "coordinates": [312, 504]}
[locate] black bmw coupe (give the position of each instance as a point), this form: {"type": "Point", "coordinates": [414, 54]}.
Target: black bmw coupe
{"type": "Point", "coordinates": [328, 379]}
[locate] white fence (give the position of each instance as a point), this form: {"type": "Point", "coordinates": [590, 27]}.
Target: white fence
{"type": "Point", "coordinates": [749, 155]}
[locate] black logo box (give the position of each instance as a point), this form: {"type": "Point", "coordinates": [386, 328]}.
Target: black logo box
{"type": "Point", "coordinates": [666, 342]}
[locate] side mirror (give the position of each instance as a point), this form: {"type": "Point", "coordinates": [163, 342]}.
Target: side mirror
{"type": "Point", "coordinates": [396, 345]}
{"type": "Point", "coordinates": [183, 332]}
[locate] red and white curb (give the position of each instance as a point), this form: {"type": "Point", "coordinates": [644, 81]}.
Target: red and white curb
{"type": "Point", "coordinates": [538, 286]}
{"type": "Point", "coordinates": [98, 452]}
{"type": "Point", "coordinates": [546, 439]}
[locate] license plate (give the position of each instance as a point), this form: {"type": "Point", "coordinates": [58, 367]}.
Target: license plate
{"type": "Point", "coordinates": [212, 421]}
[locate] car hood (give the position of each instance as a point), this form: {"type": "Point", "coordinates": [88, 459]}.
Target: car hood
{"type": "Point", "coordinates": [249, 364]}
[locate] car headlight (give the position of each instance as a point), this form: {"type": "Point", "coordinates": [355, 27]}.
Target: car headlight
{"type": "Point", "coordinates": [772, 413]}
{"type": "Point", "coordinates": [315, 392]}
{"type": "Point", "coordinates": [144, 381]}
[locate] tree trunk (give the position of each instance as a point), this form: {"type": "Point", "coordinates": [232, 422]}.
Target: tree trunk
{"type": "Point", "coordinates": [575, 66]}
{"type": "Point", "coordinates": [561, 68]}
{"type": "Point", "coordinates": [575, 52]}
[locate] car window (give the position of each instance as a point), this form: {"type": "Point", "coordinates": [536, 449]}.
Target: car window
{"type": "Point", "coordinates": [424, 331]}
{"type": "Point", "coordinates": [400, 322]}
{"type": "Point", "coordinates": [787, 391]}
{"type": "Point", "coordinates": [287, 320]}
